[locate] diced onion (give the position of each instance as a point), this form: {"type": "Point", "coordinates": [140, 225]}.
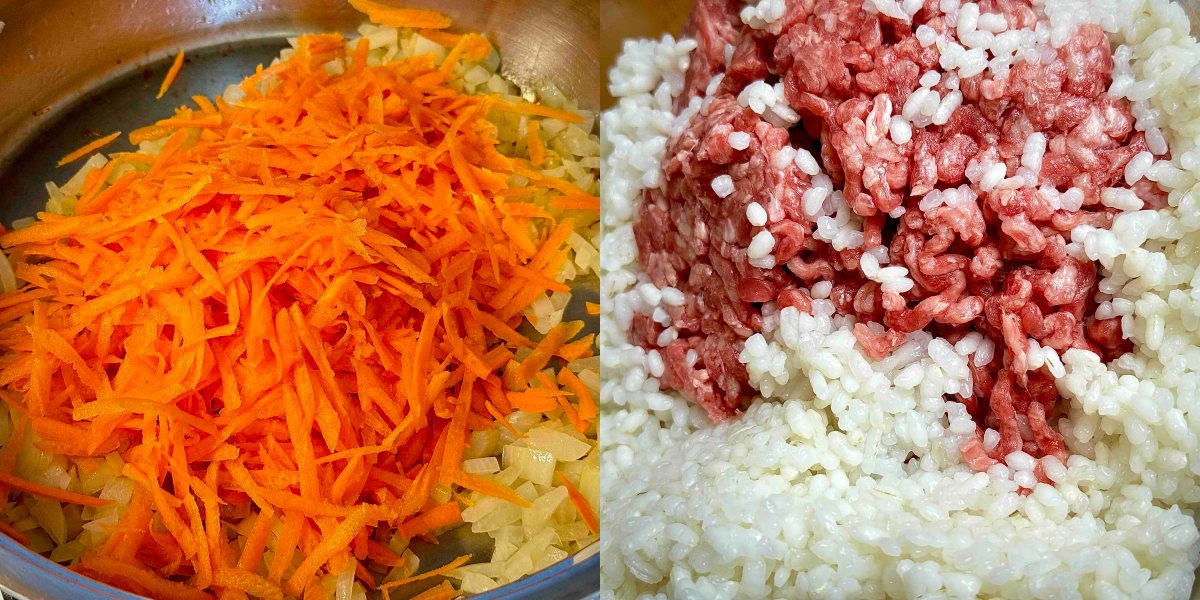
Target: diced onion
{"type": "Point", "coordinates": [8, 279]}
{"type": "Point", "coordinates": [486, 465]}
{"type": "Point", "coordinates": [533, 465]}
{"type": "Point", "coordinates": [561, 445]}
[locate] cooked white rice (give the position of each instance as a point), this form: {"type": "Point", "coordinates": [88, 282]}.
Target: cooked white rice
{"type": "Point", "coordinates": [809, 494]}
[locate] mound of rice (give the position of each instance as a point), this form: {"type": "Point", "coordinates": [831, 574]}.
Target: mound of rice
{"type": "Point", "coordinates": [814, 493]}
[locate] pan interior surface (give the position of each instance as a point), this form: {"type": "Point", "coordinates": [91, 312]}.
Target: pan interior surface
{"type": "Point", "coordinates": [54, 53]}
{"type": "Point", "coordinates": [122, 104]}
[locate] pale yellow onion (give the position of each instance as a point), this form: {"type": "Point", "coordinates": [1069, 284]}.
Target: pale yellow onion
{"type": "Point", "coordinates": [561, 446]}
{"type": "Point", "coordinates": [486, 465]}
{"type": "Point", "coordinates": [8, 280]}
{"type": "Point", "coordinates": [536, 466]}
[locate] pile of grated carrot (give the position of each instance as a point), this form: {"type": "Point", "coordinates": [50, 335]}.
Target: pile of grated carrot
{"type": "Point", "coordinates": [289, 320]}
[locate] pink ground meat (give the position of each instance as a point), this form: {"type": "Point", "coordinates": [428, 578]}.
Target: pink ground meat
{"type": "Point", "coordinates": [997, 264]}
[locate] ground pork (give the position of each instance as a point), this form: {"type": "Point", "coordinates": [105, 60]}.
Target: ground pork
{"type": "Point", "coordinates": [983, 237]}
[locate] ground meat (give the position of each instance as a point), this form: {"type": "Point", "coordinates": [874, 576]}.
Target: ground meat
{"type": "Point", "coordinates": [713, 24]}
{"type": "Point", "coordinates": [992, 259]}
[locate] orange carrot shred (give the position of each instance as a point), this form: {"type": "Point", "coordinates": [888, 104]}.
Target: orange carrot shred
{"type": "Point", "coordinates": [593, 308]}
{"type": "Point", "coordinates": [588, 410]}
{"type": "Point", "coordinates": [531, 401]}
{"type": "Point", "coordinates": [491, 408]}
{"type": "Point", "coordinates": [12, 481]}
{"type": "Point", "coordinates": [456, 433]}
{"type": "Point", "coordinates": [443, 591]}
{"type": "Point", "coordinates": [203, 559]}
{"type": "Point", "coordinates": [88, 148]}
{"type": "Point", "coordinates": [488, 487]}
{"type": "Point", "coordinates": [131, 531]}
{"type": "Point", "coordinates": [527, 108]}
{"type": "Point", "coordinates": [581, 504]}
{"type": "Point", "coordinates": [431, 520]}
{"type": "Point", "coordinates": [578, 202]}
{"type": "Point", "coordinates": [149, 581]}
{"type": "Point", "coordinates": [256, 541]}
{"type": "Point", "coordinates": [572, 415]}
{"type": "Point", "coordinates": [150, 132]}
{"type": "Point", "coordinates": [332, 544]}
{"type": "Point", "coordinates": [93, 180]}
{"type": "Point", "coordinates": [285, 547]}
{"type": "Point", "coordinates": [172, 73]}
{"type": "Point", "coordinates": [537, 150]}
{"type": "Point", "coordinates": [249, 582]}
{"type": "Point", "coordinates": [577, 349]}
{"type": "Point", "coordinates": [442, 570]}
{"type": "Point", "coordinates": [393, 16]}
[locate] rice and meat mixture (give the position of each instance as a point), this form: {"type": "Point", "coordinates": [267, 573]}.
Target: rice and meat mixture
{"type": "Point", "coordinates": [941, 255]}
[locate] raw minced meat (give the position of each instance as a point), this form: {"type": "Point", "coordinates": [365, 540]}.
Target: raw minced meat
{"type": "Point", "coordinates": [964, 191]}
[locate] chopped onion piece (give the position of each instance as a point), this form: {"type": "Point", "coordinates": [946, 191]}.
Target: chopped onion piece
{"type": "Point", "coordinates": [481, 466]}
{"type": "Point", "coordinates": [535, 466]}
{"type": "Point", "coordinates": [561, 445]}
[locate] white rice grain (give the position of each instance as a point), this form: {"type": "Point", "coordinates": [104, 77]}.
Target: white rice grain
{"type": "Point", "coordinates": [756, 214]}
{"type": "Point", "coordinates": [761, 245]}
{"type": "Point", "coordinates": [722, 186]}
{"type": "Point", "coordinates": [739, 140]}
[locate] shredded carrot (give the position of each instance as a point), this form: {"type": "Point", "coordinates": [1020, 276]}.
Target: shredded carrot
{"type": "Point", "coordinates": [577, 349]}
{"type": "Point", "coordinates": [172, 73]}
{"type": "Point", "coordinates": [443, 591]}
{"type": "Point", "coordinates": [593, 308]}
{"type": "Point", "coordinates": [249, 582]}
{"type": "Point", "coordinates": [537, 150]}
{"type": "Point", "coordinates": [93, 179]}
{"type": "Point", "coordinates": [285, 546]}
{"type": "Point", "coordinates": [16, 483]}
{"type": "Point", "coordinates": [383, 555]}
{"type": "Point", "coordinates": [204, 104]}
{"type": "Point", "coordinates": [456, 431]}
{"type": "Point", "coordinates": [89, 148]}
{"type": "Point", "coordinates": [572, 415]}
{"type": "Point", "coordinates": [328, 547]}
{"type": "Point", "coordinates": [502, 330]}
{"type": "Point", "coordinates": [365, 576]}
{"type": "Point", "coordinates": [431, 520]}
{"type": "Point", "coordinates": [146, 579]}
{"type": "Point", "coordinates": [588, 410]}
{"type": "Point", "coordinates": [100, 201]}
{"type": "Point", "coordinates": [256, 541]}
{"type": "Point", "coordinates": [203, 559]}
{"type": "Point", "coordinates": [444, 38]}
{"type": "Point", "coordinates": [393, 16]}
{"type": "Point", "coordinates": [442, 570]}
{"type": "Point", "coordinates": [533, 401]}
{"type": "Point", "coordinates": [132, 530]}
{"type": "Point", "coordinates": [581, 504]}
{"type": "Point", "coordinates": [519, 375]}
{"type": "Point", "coordinates": [488, 487]}
{"type": "Point", "coordinates": [496, 414]}
{"type": "Point", "coordinates": [150, 132]}
{"type": "Point", "coordinates": [528, 108]}
{"type": "Point", "coordinates": [288, 320]}
{"type": "Point", "coordinates": [578, 202]}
